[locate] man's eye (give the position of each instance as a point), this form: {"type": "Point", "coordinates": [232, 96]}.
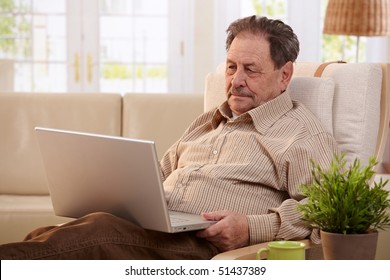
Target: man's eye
{"type": "Point", "coordinates": [230, 69]}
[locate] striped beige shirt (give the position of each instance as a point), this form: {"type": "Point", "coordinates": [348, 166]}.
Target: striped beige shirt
{"type": "Point", "coordinates": [253, 164]}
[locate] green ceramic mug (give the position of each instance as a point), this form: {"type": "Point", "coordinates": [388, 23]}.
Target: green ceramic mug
{"type": "Point", "coordinates": [283, 250]}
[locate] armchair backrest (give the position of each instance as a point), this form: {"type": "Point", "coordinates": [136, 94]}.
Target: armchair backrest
{"type": "Point", "coordinates": [351, 100]}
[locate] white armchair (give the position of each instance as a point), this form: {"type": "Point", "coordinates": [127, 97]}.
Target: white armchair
{"type": "Point", "coordinates": [351, 100]}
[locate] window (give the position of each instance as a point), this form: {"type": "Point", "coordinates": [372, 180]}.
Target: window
{"type": "Point", "coordinates": [133, 46]}
{"type": "Point", "coordinates": [328, 48]}
{"type": "Point", "coordinates": [270, 8]}
{"type": "Point", "coordinates": [32, 35]}
{"type": "Point", "coordinates": [340, 47]}
{"type": "Point", "coordinates": [87, 45]}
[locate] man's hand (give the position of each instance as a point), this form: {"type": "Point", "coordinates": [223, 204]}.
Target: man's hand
{"type": "Point", "coordinates": [229, 233]}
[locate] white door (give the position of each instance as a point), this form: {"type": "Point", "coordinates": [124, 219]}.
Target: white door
{"type": "Point", "coordinates": [92, 46]}
{"type": "Point", "coordinates": [118, 45]}
{"type": "Point", "coordinates": [82, 44]}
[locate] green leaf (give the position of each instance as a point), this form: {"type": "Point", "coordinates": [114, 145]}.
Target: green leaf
{"type": "Point", "coordinates": [341, 200]}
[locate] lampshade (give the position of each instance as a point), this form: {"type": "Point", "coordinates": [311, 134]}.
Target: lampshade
{"type": "Point", "coordinates": [358, 17]}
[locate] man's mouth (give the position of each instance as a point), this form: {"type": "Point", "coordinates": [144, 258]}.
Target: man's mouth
{"type": "Point", "coordinates": [239, 94]}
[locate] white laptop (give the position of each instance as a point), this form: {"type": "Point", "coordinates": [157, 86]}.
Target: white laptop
{"type": "Point", "coordinates": [89, 173]}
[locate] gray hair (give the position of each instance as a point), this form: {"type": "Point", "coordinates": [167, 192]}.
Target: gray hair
{"type": "Point", "coordinates": [284, 43]}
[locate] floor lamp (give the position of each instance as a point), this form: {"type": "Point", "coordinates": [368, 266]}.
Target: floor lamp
{"type": "Point", "coordinates": [358, 18]}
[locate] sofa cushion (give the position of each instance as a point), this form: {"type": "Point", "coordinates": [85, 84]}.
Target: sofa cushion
{"type": "Point", "coordinates": [21, 168]}
{"type": "Point", "coordinates": [357, 85]}
{"type": "Point", "coordinates": [317, 95]}
{"type": "Point", "coordinates": [215, 89]}
{"type": "Point", "coordinates": [143, 117]}
{"type": "Point", "coordinates": [20, 214]}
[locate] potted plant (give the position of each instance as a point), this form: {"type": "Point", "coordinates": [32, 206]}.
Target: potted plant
{"type": "Point", "coordinates": [347, 209]}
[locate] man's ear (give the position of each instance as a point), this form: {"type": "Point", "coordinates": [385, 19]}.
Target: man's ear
{"type": "Point", "coordinates": [287, 72]}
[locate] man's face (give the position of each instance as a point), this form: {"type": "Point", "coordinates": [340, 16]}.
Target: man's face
{"type": "Point", "coordinates": [251, 77]}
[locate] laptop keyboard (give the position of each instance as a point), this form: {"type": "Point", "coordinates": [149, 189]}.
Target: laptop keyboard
{"type": "Point", "coordinates": [177, 221]}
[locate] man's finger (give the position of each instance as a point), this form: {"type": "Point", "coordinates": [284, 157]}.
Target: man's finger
{"type": "Point", "coordinates": [211, 231]}
{"type": "Point", "coordinates": [215, 216]}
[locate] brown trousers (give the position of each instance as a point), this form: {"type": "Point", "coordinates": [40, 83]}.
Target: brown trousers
{"type": "Point", "coordinates": [104, 236]}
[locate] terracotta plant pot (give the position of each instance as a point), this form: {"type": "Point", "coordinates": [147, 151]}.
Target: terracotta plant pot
{"type": "Point", "coordinates": [337, 246]}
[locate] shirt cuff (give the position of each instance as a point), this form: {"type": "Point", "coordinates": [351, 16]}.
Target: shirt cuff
{"type": "Point", "coordinates": [263, 228]}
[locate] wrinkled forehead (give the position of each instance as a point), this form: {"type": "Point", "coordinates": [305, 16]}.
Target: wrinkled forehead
{"type": "Point", "coordinates": [249, 48]}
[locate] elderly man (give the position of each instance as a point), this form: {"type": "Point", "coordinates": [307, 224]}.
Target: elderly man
{"type": "Point", "coordinates": [240, 164]}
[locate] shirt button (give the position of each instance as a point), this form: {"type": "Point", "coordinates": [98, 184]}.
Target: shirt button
{"type": "Point", "coordinates": [215, 152]}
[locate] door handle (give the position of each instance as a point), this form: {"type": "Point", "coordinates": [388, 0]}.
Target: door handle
{"type": "Point", "coordinates": [76, 67]}
{"type": "Point", "coordinates": [89, 68]}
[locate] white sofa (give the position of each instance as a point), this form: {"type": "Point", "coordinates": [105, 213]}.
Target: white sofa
{"type": "Point", "coordinates": [24, 200]}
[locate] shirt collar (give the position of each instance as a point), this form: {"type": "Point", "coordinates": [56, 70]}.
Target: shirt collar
{"type": "Point", "coordinates": [263, 117]}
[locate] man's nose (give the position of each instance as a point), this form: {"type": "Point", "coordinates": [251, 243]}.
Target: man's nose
{"type": "Point", "coordinates": [239, 79]}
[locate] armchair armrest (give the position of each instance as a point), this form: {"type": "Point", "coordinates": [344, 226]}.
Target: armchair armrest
{"type": "Point", "coordinates": [313, 252]}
